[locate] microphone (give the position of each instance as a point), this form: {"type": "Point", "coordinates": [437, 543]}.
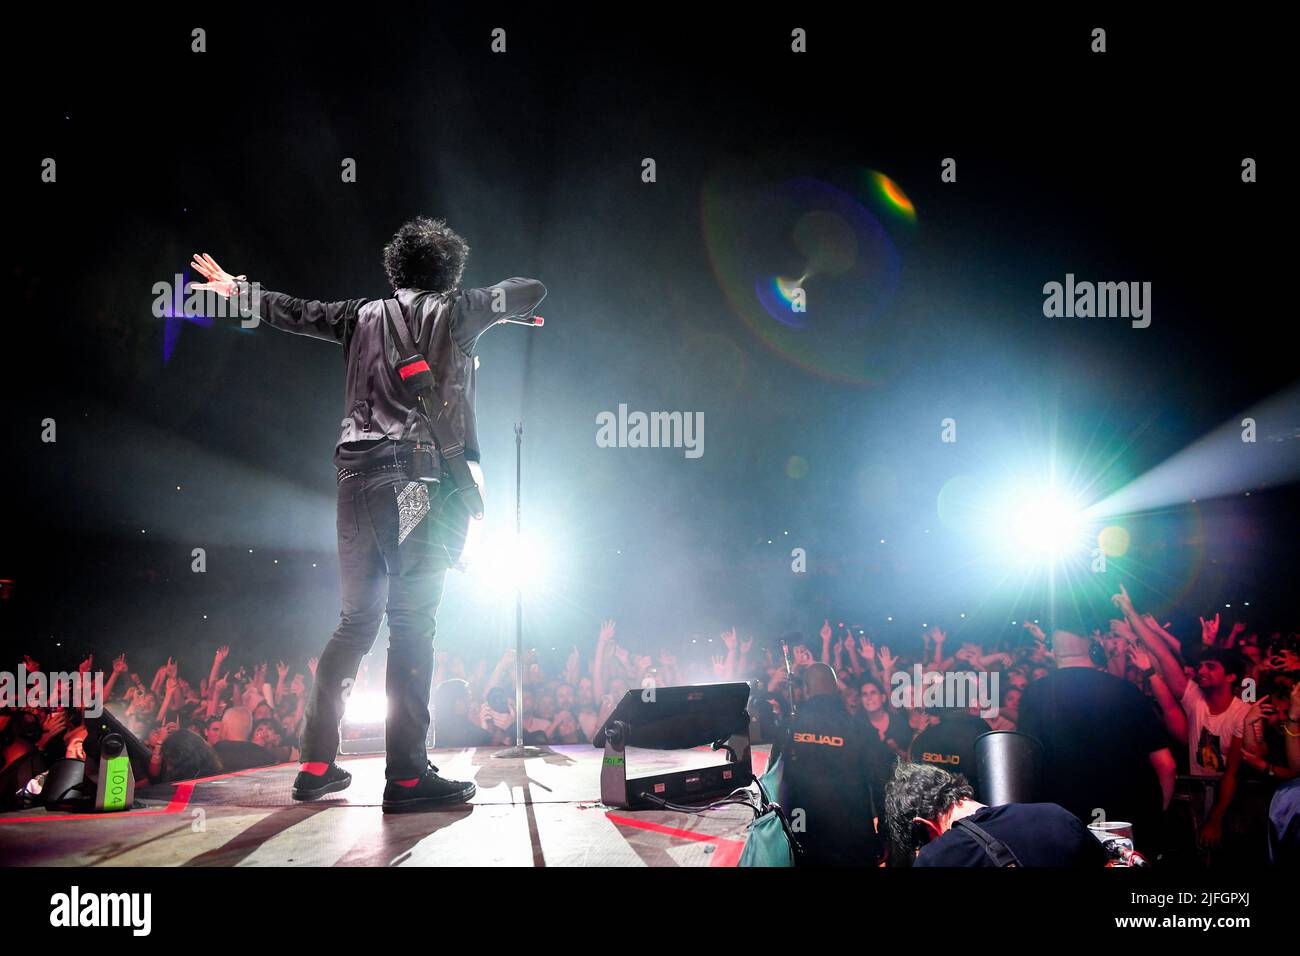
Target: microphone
{"type": "Point", "coordinates": [534, 320]}
{"type": "Point", "coordinates": [1125, 855]}
{"type": "Point", "coordinates": [789, 675]}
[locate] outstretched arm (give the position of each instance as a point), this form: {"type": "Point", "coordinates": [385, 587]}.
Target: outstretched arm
{"type": "Point", "coordinates": [1170, 669]}
{"type": "Point", "coordinates": [330, 321]}
{"type": "Point", "coordinates": [474, 310]}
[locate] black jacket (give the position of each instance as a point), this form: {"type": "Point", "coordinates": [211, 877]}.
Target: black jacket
{"type": "Point", "coordinates": [834, 773]}
{"type": "Point", "coordinates": [445, 327]}
{"type": "Point", "coordinates": [1039, 834]}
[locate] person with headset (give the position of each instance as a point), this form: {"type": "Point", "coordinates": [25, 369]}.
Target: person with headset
{"type": "Point", "coordinates": [1105, 752]}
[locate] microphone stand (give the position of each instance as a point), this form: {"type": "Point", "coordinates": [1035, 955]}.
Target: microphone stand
{"type": "Point", "coordinates": [789, 677]}
{"type": "Point", "coordinates": [519, 750]}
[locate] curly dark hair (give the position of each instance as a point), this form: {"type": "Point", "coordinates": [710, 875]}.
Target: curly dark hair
{"type": "Point", "coordinates": [187, 756]}
{"type": "Point", "coordinates": [425, 254]}
{"type": "Point", "coordinates": [920, 790]}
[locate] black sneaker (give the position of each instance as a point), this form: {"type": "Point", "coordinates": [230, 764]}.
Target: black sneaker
{"type": "Point", "coordinates": [431, 792]}
{"type": "Point", "coordinates": [309, 786]}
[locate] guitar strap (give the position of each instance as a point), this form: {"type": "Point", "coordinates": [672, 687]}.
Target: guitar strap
{"type": "Point", "coordinates": [414, 369]}
{"type": "Point", "coordinates": [998, 852]}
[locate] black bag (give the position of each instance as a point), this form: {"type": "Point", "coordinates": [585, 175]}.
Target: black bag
{"type": "Point", "coordinates": [416, 374]}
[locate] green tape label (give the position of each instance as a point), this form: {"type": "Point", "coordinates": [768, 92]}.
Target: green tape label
{"type": "Point", "coordinates": [118, 770]}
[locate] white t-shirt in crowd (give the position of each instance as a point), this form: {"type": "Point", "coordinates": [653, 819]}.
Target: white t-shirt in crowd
{"type": "Point", "coordinates": [1209, 736]}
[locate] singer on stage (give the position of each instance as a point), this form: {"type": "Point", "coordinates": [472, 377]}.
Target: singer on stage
{"type": "Point", "coordinates": [397, 533]}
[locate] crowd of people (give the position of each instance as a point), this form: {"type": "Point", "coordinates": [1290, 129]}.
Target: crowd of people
{"type": "Point", "coordinates": [1221, 705]}
{"type": "Point", "coordinates": [1191, 748]}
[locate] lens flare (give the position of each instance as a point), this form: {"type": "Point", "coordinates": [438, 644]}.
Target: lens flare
{"type": "Point", "coordinates": [1114, 540]}
{"type": "Point", "coordinates": [892, 195]}
{"type": "Point", "coordinates": [763, 231]}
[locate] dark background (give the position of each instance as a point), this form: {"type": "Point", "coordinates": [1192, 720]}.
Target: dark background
{"type": "Point", "coordinates": [1122, 166]}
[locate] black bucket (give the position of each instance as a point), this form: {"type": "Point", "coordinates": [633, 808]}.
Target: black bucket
{"type": "Point", "coordinates": [1010, 767]}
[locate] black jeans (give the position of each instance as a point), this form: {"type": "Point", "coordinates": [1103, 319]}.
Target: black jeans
{"type": "Point", "coordinates": [390, 558]}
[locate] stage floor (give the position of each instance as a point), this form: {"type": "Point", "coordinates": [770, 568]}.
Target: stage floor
{"type": "Point", "coordinates": [542, 811]}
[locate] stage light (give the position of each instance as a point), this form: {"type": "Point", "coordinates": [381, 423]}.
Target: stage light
{"type": "Point", "coordinates": [502, 564]}
{"type": "Point", "coordinates": [1225, 462]}
{"type": "Point", "coordinates": [364, 717]}
{"type": "Point", "coordinates": [1049, 525]}
{"type": "Point", "coordinates": [365, 708]}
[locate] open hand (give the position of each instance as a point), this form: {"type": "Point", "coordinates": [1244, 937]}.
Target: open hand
{"type": "Point", "coordinates": [219, 280]}
{"type": "Point", "coordinates": [1209, 630]}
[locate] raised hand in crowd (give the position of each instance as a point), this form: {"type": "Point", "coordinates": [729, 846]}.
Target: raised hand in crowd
{"type": "Point", "coordinates": [1210, 630]}
{"type": "Point", "coordinates": [606, 633]}
{"type": "Point", "coordinates": [53, 723]}
{"type": "Point", "coordinates": [74, 743]}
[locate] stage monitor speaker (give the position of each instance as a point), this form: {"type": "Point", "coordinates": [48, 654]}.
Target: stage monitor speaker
{"type": "Point", "coordinates": [676, 718]}
{"type": "Point", "coordinates": [97, 728]}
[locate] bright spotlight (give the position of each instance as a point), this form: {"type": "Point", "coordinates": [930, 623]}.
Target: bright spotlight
{"type": "Point", "coordinates": [366, 708]}
{"type": "Point", "coordinates": [1049, 525]}
{"type": "Point", "coordinates": [505, 563]}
